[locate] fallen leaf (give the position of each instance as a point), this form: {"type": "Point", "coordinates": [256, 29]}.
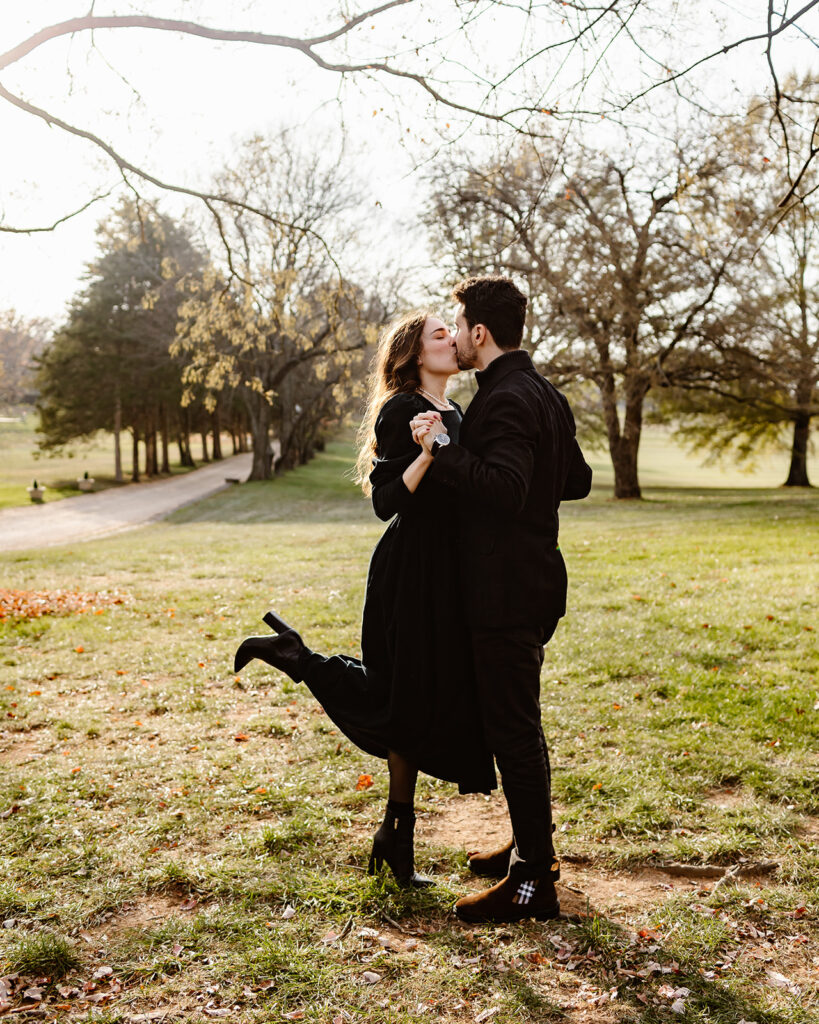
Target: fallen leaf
{"type": "Point", "coordinates": [103, 972]}
{"type": "Point", "coordinates": [294, 1015]}
{"type": "Point", "coordinates": [189, 904]}
{"type": "Point", "coordinates": [486, 1014]}
{"type": "Point", "coordinates": [241, 737]}
{"type": "Point", "coordinates": [288, 912]}
{"type": "Point", "coordinates": [371, 978]}
{"type": "Point", "coordinates": [364, 782]}
{"type": "Point", "coordinates": [780, 981]}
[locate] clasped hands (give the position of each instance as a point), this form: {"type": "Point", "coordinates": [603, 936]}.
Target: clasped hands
{"type": "Point", "coordinates": [425, 428]}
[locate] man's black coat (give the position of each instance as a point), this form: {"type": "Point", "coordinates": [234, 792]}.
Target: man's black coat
{"type": "Point", "coordinates": [516, 460]}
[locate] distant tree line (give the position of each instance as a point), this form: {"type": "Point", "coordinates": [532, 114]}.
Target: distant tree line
{"type": "Point", "coordinates": [162, 345]}
{"type": "Point", "coordinates": [665, 285]}
{"type": "Point", "coordinates": [21, 341]}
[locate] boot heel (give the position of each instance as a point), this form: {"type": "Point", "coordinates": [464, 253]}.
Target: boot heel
{"type": "Point", "coordinates": [276, 624]}
{"type": "Point", "coordinates": [242, 657]}
{"type": "Point", "coordinates": [376, 862]}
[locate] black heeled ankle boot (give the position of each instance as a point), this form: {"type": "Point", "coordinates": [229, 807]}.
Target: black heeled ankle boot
{"type": "Point", "coordinates": [393, 843]}
{"type": "Point", "coordinates": [284, 650]}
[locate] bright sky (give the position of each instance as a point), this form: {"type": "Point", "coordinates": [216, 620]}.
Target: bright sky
{"type": "Point", "coordinates": [177, 106]}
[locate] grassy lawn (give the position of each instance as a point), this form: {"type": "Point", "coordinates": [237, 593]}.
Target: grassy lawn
{"type": "Point", "coordinates": [179, 843]}
{"type": "Point", "coordinates": [22, 463]}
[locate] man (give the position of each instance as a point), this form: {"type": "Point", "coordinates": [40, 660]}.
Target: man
{"type": "Point", "coordinates": [517, 458]}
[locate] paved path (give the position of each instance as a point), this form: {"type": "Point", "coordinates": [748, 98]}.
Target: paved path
{"type": "Point", "coordinates": [89, 516]}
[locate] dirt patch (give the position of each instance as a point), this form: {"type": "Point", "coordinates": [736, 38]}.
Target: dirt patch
{"type": "Point", "coordinates": [470, 823]}
{"type": "Point", "coordinates": [478, 822]}
{"type": "Point", "coordinates": [20, 751]}
{"type": "Point", "coordinates": [142, 915]}
{"type": "Point", "coordinates": [809, 830]}
{"type": "Point", "coordinates": [726, 799]}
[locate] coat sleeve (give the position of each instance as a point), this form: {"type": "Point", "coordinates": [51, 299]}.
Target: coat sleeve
{"type": "Point", "coordinates": [579, 475]}
{"type": "Point", "coordinates": [501, 477]}
{"type": "Point", "coordinates": [579, 478]}
{"type": "Point", "coordinates": [395, 451]}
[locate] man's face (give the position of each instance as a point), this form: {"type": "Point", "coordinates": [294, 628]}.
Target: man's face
{"type": "Point", "coordinates": [464, 345]}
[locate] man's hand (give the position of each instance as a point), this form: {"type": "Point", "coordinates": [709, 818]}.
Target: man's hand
{"type": "Point", "coordinates": [425, 428]}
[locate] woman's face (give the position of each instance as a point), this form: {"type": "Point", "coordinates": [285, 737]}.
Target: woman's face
{"type": "Point", "coordinates": [438, 354]}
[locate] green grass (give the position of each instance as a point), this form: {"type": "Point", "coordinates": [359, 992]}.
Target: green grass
{"type": "Point", "coordinates": [44, 954]}
{"type": "Point", "coordinates": [679, 698]}
{"type": "Point", "coordinates": [23, 462]}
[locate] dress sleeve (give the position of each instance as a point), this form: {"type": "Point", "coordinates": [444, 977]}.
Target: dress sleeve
{"type": "Point", "coordinates": [395, 450]}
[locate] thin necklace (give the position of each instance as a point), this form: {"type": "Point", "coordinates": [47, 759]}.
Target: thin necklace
{"type": "Point", "coordinates": [433, 399]}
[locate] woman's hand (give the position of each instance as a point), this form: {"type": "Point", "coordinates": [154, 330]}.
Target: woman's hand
{"type": "Point", "coordinates": [424, 424]}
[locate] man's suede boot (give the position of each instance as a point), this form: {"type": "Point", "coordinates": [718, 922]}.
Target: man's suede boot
{"type": "Point", "coordinates": [511, 900]}
{"type": "Point", "coordinates": [494, 864]}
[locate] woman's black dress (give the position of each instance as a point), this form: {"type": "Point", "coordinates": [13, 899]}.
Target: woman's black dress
{"type": "Point", "coordinates": [413, 690]}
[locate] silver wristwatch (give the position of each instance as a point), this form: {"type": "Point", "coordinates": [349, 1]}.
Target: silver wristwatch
{"type": "Point", "coordinates": [438, 442]}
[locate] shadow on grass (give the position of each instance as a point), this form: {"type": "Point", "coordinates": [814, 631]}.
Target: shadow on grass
{"type": "Point", "coordinates": [652, 975]}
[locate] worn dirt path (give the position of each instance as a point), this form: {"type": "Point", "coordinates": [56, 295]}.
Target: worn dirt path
{"type": "Point", "coordinates": [89, 516]}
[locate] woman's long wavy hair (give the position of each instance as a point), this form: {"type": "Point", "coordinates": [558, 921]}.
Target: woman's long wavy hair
{"type": "Point", "coordinates": [395, 371]}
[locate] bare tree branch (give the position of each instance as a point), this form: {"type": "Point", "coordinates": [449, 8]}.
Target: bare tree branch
{"type": "Point", "coordinates": [52, 227]}
{"type": "Point", "coordinates": [126, 165]}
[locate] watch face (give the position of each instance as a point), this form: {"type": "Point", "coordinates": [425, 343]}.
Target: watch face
{"type": "Point", "coordinates": [442, 439]}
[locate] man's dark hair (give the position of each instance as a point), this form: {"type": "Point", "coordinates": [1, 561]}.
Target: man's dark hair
{"type": "Point", "coordinates": [497, 303]}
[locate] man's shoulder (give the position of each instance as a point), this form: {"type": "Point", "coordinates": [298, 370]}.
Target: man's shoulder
{"type": "Point", "coordinates": [522, 385]}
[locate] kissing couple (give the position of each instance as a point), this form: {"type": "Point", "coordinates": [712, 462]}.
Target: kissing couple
{"type": "Point", "coordinates": [465, 588]}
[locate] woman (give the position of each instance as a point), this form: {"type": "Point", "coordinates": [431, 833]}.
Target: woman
{"type": "Point", "coordinates": [410, 697]}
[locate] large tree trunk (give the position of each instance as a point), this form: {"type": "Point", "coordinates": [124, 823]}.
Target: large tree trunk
{"type": "Point", "coordinates": [798, 473]}
{"type": "Point", "coordinates": [624, 445]}
{"type": "Point", "coordinates": [624, 460]}
{"type": "Point", "coordinates": [166, 459]}
{"type": "Point", "coordinates": [135, 455]}
{"type": "Point", "coordinates": [185, 457]}
{"type": "Point", "coordinates": [117, 439]}
{"type": "Point", "coordinates": [204, 435]}
{"type": "Point", "coordinates": [217, 432]}
{"type": "Point", "coordinates": [260, 420]}
{"type": "Point", "coordinates": [151, 464]}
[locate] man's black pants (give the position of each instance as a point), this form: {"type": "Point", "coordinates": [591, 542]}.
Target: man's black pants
{"type": "Point", "coordinates": [507, 667]}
